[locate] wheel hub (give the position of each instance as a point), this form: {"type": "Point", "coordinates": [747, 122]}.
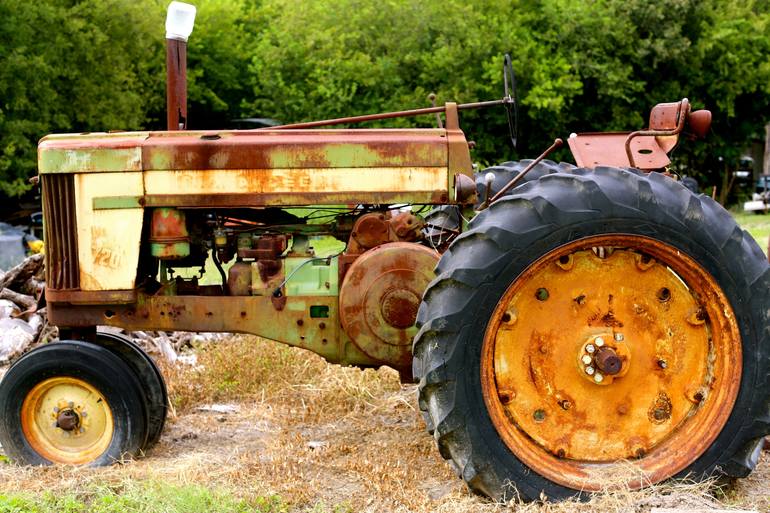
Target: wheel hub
{"type": "Point", "coordinates": [651, 375]}
{"type": "Point", "coordinates": [66, 420]}
{"type": "Point", "coordinates": [603, 358]}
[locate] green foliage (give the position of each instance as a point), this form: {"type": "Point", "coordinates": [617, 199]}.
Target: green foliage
{"type": "Point", "coordinates": [74, 65]}
{"type": "Point", "coordinates": [69, 67]}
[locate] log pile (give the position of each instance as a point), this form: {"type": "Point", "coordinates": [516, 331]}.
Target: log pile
{"type": "Point", "coordinates": [23, 326]}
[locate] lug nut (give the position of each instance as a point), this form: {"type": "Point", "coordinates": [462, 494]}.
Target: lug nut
{"type": "Point", "coordinates": [599, 341]}
{"type": "Point", "coordinates": [619, 337]}
{"type": "Point", "coordinates": [539, 415]}
{"type": "Point", "coordinates": [590, 370]}
{"type": "Point", "coordinates": [590, 348]}
{"type": "Point", "coordinates": [662, 363]}
{"type": "Point", "coordinates": [586, 359]}
{"type": "Point", "coordinates": [541, 294]}
{"type": "Point", "coordinates": [598, 378]}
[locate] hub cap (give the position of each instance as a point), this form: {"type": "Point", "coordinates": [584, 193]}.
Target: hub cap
{"type": "Point", "coordinates": [66, 420]}
{"type": "Point", "coordinates": [611, 348]}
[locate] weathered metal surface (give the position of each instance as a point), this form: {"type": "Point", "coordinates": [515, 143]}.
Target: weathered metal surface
{"type": "Point", "coordinates": [314, 278]}
{"type": "Point", "coordinates": [93, 297]}
{"type": "Point", "coordinates": [169, 239]}
{"type": "Point", "coordinates": [239, 279]}
{"type": "Point", "coordinates": [280, 199]}
{"type": "Point", "coordinates": [459, 157]}
{"type": "Point", "coordinates": [380, 296]}
{"type": "Point", "coordinates": [465, 189]}
{"type": "Point", "coordinates": [645, 149]}
{"type": "Point", "coordinates": [61, 255]}
{"type": "Point", "coordinates": [292, 325]}
{"type": "Point", "coordinates": [286, 186]}
{"type": "Point", "coordinates": [108, 240]}
{"type": "Point", "coordinates": [676, 341]}
{"type": "Point", "coordinates": [89, 153]}
{"type": "Point", "coordinates": [608, 149]}
{"type": "Point", "coordinates": [66, 420]}
{"type": "Point", "coordinates": [371, 230]}
{"type": "Point", "coordinates": [387, 115]}
{"type": "Point", "coordinates": [176, 84]}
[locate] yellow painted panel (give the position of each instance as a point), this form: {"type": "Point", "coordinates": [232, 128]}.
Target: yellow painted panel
{"type": "Point", "coordinates": [108, 240]}
{"type": "Point", "coordinates": [296, 180]}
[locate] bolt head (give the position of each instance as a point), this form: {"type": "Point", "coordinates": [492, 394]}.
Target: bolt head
{"type": "Point", "coordinates": [590, 370]}
{"type": "Point", "coordinates": [598, 378]}
{"type": "Point", "coordinates": [590, 348]}
{"type": "Point", "coordinates": [586, 359]}
{"type": "Point", "coordinates": [599, 341]}
{"type": "Point", "coordinates": [619, 337]}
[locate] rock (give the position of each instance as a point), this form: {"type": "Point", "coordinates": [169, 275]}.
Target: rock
{"type": "Point", "coordinates": [166, 349]}
{"type": "Point", "coordinates": [219, 408]}
{"type": "Point", "coordinates": [36, 322]}
{"type": "Point", "coordinates": [8, 309]}
{"type": "Point", "coordinates": [15, 336]}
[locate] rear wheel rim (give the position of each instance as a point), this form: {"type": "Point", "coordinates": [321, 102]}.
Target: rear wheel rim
{"type": "Point", "coordinates": [665, 385]}
{"type": "Point", "coordinates": [66, 420]}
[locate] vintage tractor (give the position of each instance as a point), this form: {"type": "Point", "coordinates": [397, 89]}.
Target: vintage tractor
{"type": "Point", "coordinates": [588, 323]}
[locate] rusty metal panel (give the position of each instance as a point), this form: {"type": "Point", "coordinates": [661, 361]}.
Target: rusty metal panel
{"type": "Point", "coordinates": [311, 183]}
{"type": "Point", "coordinates": [292, 325]}
{"type": "Point", "coordinates": [608, 149]}
{"type": "Point", "coordinates": [60, 232]}
{"type": "Point", "coordinates": [91, 153]}
{"type": "Point", "coordinates": [290, 149]}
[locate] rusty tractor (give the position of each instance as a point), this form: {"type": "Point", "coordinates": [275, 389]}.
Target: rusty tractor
{"type": "Point", "coordinates": [566, 324]}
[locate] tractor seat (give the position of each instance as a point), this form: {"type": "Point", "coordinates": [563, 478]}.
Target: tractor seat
{"type": "Point", "coordinates": [644, 149]}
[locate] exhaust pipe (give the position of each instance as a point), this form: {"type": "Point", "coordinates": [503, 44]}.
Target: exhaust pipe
{"type": "Point", "coordinates": [180, 19]}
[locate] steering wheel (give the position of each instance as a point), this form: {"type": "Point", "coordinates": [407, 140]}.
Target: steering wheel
{"type": "Point", "coordinates": [509, 99]}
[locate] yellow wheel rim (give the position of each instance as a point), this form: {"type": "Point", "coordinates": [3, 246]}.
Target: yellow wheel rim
{"type": "Point", "coordinates": [670, 367]}
{"type": "Point", "coordinates": [66, 420]}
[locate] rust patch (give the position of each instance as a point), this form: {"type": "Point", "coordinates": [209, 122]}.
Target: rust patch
{"type": "Point", "coordinates": [379, 298]}
{"type": "Point", "coordinates": [570, 425]}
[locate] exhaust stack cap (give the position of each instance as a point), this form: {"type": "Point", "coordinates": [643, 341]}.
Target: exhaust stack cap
{"type": "Point", "coordinates": [179, 21]}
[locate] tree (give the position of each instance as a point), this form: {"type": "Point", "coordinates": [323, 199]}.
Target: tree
{"type": "Point", "coordinates": [71, 67]}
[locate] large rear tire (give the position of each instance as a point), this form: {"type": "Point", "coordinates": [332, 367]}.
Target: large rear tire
{"type": "Point", "coordinates": [590, 319]}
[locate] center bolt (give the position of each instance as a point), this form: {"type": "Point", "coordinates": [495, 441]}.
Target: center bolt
{"type": "Point", "coordinates": [608, 361]}
{"type": "Point", "coordinates": [67, 420]}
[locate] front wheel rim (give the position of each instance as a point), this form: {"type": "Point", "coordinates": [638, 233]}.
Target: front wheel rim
{"type": "Point", "coordinates": [665, 385]}
{"type": "Point", "coordinates": [66, 420]}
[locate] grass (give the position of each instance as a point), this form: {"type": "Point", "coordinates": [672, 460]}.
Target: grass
{"type": "Point", "coordinates": [758, 225]}
{"type": "Point", "coordinates": [142, 496]}
{"type": "Point", "coordinates": [313, 437]}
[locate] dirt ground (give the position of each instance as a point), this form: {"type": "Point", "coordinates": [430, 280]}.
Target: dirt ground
{"type": "Point", "coordinates": [323, 437]}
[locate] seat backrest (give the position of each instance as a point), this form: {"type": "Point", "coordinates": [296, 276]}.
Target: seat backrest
{"type": "Point", "coordinates": [665, 116]}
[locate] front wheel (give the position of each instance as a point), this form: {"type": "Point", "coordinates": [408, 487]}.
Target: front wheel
{"type": "Point", "coordinates": [596, 326]}
{"type": "Point", "coordinates": [71, 403]}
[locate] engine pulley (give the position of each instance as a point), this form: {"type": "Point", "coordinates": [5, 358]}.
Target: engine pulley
{"type": "Point", "coordinates": [380, 296]}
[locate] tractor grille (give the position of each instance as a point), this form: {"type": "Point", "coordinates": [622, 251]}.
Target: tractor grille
{"type": "Point", "coordinates": [61, 244]}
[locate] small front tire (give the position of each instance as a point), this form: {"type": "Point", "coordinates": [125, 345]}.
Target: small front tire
{"type": "Point", "coordinates": [73, 403]}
